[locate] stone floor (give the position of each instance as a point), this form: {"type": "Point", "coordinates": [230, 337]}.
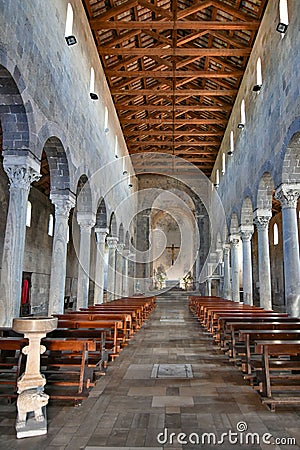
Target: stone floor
{"type": "Point", "coordinates": [171, 378]}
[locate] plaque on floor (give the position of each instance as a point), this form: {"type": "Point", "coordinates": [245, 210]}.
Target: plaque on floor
{"type": "Point", "coordinates": [172, 371]}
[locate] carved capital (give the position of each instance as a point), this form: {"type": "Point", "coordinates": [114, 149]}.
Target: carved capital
{"type": "Point", "coordinates": [21, 177]}
{"type": "Point", "coordinates": [234, 240]}
{"type": "Point", "coordinates": [86, 220]}
{"type": "Point", "coordinates": [112, 242]}
{"type": "Point", "coordinates": [262, 222]}
{"type": "Point", "coordinates": [120, 248]}
{"type": "Point", "coordinates": [246, 232]}
{"type": "Point", "coordinates": [288, 195]}
{"type": "Point", "coordinates": [101, 234]}
{"type": "Point", "coordinates": [63, 204]}
{"type": "Point", "coordinates": [261, 218]}
{"type": "Point", "coordinates": [226, 249]}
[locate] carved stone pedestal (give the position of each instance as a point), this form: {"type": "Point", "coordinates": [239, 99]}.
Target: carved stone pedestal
{"type": "Point", "coordinates": [32, 401]}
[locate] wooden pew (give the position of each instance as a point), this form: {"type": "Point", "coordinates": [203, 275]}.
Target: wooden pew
{"type": "Point", "coordinates": [64, 364]}
{"type": "Point", "coordinates": [11, 365]}
{"type": "Point", "coordinates": [275, 369]}
{"type": "Point", "coordinates": [224, 328]}
{"type": "Point", "coordinates": [104, 315]}
{"type": "Point", "coordinates": [256, 324]}
{"type": "Point", "coordinates": [114, 325]}
{"type": "Point", "coordinates": [249, 336]}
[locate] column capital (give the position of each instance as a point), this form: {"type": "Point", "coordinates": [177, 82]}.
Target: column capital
{"type": "Point", "coordinates": [112, 242]}
{"type": "Point", "coordinates": [261, 218]}
{"type": "Point", "coordinates": [120, 248]}
{"type": "Point", "coordinates": [288, 195]}
{"type": "Point", "coordinates": [63, 203]}
{"type": "Point", "coordinates": [246, 232]}
{"type": "Point", "coordinates": [101, 234]}
{"type": "Point", "coordinates": [86, 220]}
{"type": "Point", "coordinates": [226, 249]}
{"type": "Point", "coordinates": [21, 171]}
{"type": "Point", "coordinates": [234, 240]}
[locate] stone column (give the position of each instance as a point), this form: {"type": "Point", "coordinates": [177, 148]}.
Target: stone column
{"type": "Point", "coordinates": [246, 235]}
{"type": "Point", "coordinates": [111, 270]}
{"type": "Point", "coordinates": [234, 245]}
{"type": "Point", "coordinates": [21, 171]}
{"type": "Point", "coordinates": [131, 279]}
{"type": "Point", "coordinates": [288, 196]}
{"type": "Point", "coordinates": [227, 282]}
{"type": "Point", "coordinates": [261, 220]}
{"type": "Point", "coordinates": [63, 203]}
{"type": "Point", "coordinates": [119, 270]}
{"type": "Point", "coordinates": [125, 272]}
{"type": "Point", "coordinates": [101, 234]}
{"type": "Point", "coordinates": [86, 221]}
{"type": "Point", "coordinates": [208, 284]}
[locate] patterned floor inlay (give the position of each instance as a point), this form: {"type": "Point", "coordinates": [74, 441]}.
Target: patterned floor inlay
{"type": "Point", "coordinates": [172, 371]}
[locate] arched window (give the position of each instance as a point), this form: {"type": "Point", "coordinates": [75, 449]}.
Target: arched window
{"type": "Point", "coordinates": [68, 234]}
{"type": "Point", "coordinates": [28, 214]}
{"type": "Point", "coordinates": [116, 147]}
{"type": "Point", "coordinates": [275, 234]}
{"type": "Point", "coordinates": [223, 163]}
{"type": "Point", "coordinates": [283, 17]}
{"type": "Point", "coordinates": [231, 143]}
{"type": "Point", "coordinates": [258, 85]}
{"type": "Point", "coordinates": [106, 129]}
{"type": "Point", "coordinates": [70, 38]}
{"type": "Point", "coordinates": [217, 180]}
{"type": "Point", "coordinates": [243, 115]}
{"type": "Point", "coordinates": [93, 95]}
{"type": "Point", "coordinates": [50, 225]}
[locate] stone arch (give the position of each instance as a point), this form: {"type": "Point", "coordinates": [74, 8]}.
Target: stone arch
{"type": "Point", "coordinates": [127, 240]}
{"type": "Point", "coordinates": [234, 224]}
{"type": "Point", "coordinates": [113, 230]}
{"type": "Point", "coordinates": [121, 234]}
{"type": "Point", "coordinates": [55, 155]}
{"type": "Point", "coordinates": [247, 212]}
{"type": "Point", "coordinates": [265, 192]}
{"type": "Point", "coordinates": [291, 161]}
{"type": "Point", "coordinates": [13, 115]}
{"type": "Point", "coordinates": [101, 215]}
{"type": "Point", "coordinates": [84, 195]}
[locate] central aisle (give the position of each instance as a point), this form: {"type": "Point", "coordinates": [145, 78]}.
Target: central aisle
{"type": "Point", "coordinates": [138, 398]}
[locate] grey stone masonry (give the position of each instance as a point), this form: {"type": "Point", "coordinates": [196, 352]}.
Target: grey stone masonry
{"type": "Point", "coordinates": [63, 204]}
{"type": "Point", "coordinates": [288, 195]}
{"type": "Point", "coordinates": [21, 171]}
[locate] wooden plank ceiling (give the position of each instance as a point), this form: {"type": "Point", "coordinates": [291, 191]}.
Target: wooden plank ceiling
{"type": "Point", "coordinates": [174, 68]}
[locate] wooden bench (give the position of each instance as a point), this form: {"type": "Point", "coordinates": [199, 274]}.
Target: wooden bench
{"type": "Point", "coordinates": [11, 365]}
{"type": "Point", "coordinates": [225, 323]}
{"type": "Point", "coordinates": [64, 364]}
{"type": "Point", "coordinates": [234, 328]}
{"type": "Point", "coordinates": [112, 324]}
{"type": "Point", "coordinates": [274, 369]}
{"type": "Point", "coordinates": [249, 336]}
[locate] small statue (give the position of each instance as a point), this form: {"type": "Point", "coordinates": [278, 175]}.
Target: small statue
{"type": "Point", "coordinates": [31, 400]}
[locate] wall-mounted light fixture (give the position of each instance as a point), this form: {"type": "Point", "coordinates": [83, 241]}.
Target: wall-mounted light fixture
{"type": "Point", "coordinates": [257, 87]}
{"type": "Point", "coordinates": [94, 96]}
{"type": "Point", "coordinates": [281, 27]}
{"type": "Point", "coordinates": [241, 125]}
{"type": "Point", "coordinates": [69, 36]}
{"type": "Point", "coordinates": [71, 40]}
{"type": "Point", "coordinates": [283, 17]}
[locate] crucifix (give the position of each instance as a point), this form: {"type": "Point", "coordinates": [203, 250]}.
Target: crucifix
{"type": "Point", "coordinates": [172, 253]}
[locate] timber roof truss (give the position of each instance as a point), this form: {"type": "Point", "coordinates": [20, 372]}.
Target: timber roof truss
{"type": "Point", "coordinates": [174, 68]}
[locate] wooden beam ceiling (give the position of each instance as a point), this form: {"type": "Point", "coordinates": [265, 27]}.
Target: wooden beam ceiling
{"type": "Point", "coordinates": [174, 68]}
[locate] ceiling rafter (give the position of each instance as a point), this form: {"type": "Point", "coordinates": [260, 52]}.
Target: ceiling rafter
{"type": "Point", "coordinates": [174, 69]}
